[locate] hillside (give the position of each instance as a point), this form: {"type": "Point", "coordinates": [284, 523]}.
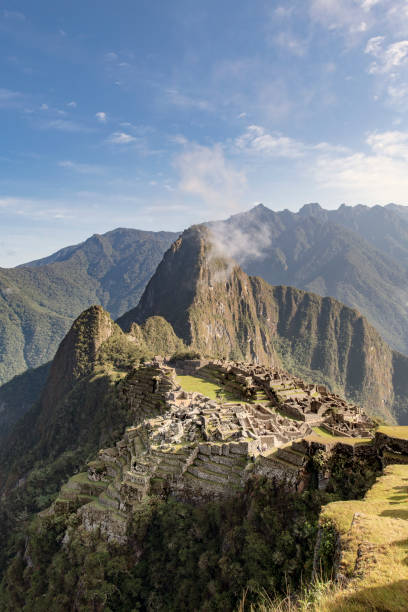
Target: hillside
{"type": "Point", "coordinates": [39, 301]}
{"type": "Point", "coordinates": [18, 395]}
{"type": "Point", "coordinates": [358, 255]}
{"type": "Point", "coordinates": [186, 492]}
{"type": "Point", "coordinates": [83, 406]}
{"type": "Point", "coordinates": [220, 311]}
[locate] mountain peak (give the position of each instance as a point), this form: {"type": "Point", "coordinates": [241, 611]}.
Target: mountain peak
{"type": "Point", "coordinates": [311, 209]}
{"type": "Point", "coordinates": [77, 353]}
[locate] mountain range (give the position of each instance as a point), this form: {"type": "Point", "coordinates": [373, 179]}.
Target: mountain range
{"type": "Point", "coordinates": [40, 300]}
{"type": "Point", "coordinates": [358, 255]}
{"type": "Point", "coordinates": [198, 301]}
{"type": "Point", "coordinates": [220, 311]}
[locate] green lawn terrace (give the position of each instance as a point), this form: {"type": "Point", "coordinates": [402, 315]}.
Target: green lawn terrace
{"type": "Point", "coordinates": [212, 390]}
{"type": "Point", "coordinates": [372, 536]}
{"type": "Point", "coordinates": [288, 395]}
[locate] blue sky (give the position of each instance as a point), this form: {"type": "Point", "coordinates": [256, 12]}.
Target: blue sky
{"type": "Point", "coordinates": [158, 114]}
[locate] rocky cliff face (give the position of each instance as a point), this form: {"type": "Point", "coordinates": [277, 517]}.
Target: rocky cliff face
{"type": "Point", "coordinates": [357, 255]}
{"type": "Point", "coordinates": [221, 311]}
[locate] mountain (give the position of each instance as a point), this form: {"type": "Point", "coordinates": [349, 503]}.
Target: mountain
{"type": "Point", "coordinates": [164, 481]}
{"type": "Point", "coordinates": [81, 408]}
{"type": "Point", "coordinates": [358, 255]}
{"type": "Point", "coordinates": [18, 395]}
{"type": "Point", "coordinates": [40, 300]}
{"type": "Point", "coordinates": [191, 490]}
{"type": "Point", "coordinates": [385, 227]}
{"type": "Point", "coordinates": [216, 308]}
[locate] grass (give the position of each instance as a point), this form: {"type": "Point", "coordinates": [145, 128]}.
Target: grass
{"type": "Point", "coordinates": [374, 543]}
{"type": "Point", "coordinates": [323, 433]}
{"type": "Point", "coordinates": [209, 389]}
{"type": "Point", "coordinates": [400, 432]}
{"type": "Point", "coordinates": [320, 435]}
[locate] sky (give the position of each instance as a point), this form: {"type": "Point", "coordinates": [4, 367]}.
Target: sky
{"type": "Point", "coordinates": [157, 115]}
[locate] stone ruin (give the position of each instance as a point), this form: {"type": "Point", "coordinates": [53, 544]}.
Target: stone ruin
{"type": "Point", "coordinates": [200, 448]}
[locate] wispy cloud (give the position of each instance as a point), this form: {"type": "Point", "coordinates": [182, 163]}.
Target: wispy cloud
{"type": "Point", "coordinates": [389, 58]}
{"type": "Point", "coordinates": [121, 138]}
{"type": "Point", "coordinates": [63, 125]}
{"type": "Point", "coordinates": [10, 99]}
{"type": "Point", "coordinates": [174, 96]}
{"type": "Point", "coordinates": [16, 15]}
{"type": "Point", "coordinates": [376, 177]}
{"type": "Point", "coordinates": [291, 43]}
{"type": "Point", "coordinates": [206, 174]}
{"type": "Point", "coordinates": [81, 168]}
{"type": "Point", "coordinates": [101, 117]}
{"type": "Point", "coordinates": [353, 17]}
{"type": "Point", "coordinates": [111, 56]}
{"type": "Point", "coordinates": [390, 68]}
{"type": "Point", "coordinates": [256, 140]}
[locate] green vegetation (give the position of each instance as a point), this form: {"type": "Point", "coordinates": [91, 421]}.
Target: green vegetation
{"type": "Point", "coordinates": [210, 553]}
{"type": "Point", "coordinates": [259, 543]}
{"type": "Point", "coordinates": [394, 432]}
{"type": "Point", "coordinates": [18, 395]}
{"type": "Point", "coordinates": [211, 390]}
{"type": "Point", "coordinates": [323, 433]}
{"type": "Point", "coordinates": [374, 541]}
{"type": "Point", "coordinates": [81, 410]}
{"type": "Point", "coordinates": [38, 303]}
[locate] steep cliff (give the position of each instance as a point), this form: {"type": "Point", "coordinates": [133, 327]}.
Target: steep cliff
{"type": "Point", "coordinates": [357, 255]}
{"type": "Point", "coordinates": [221, 311]}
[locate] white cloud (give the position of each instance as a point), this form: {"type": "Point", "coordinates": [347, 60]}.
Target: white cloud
{"type": "Point", "coordinates": [9, 98]}
{"type": "Point", "coordinates": [377, 177]}
{"type": "Point", "coordinates": [205, 173]}
{"type": "Point", "coordinates": [351, 16]}
{"type": "Point", "coordinates": [283, 11]}
{"type": "Point", "coordinates": [102, 117]}
{"type": "Point", "coordinates": [121, 138]}
{"type": "Point", "coordinates": [81, 168]}
{"type": "Point", "coordinates": [257, 141]}
{"type": "Point", "coordinates": [16, 15]}
{"type": "Point", "coordinates": [374, 45]}
{"type": "Point", "coordinates": [111, 56]}
{"type": "Point", "coordinates": [391, 144]}
{"type": "Point", "coordinates": [368, 4]}
{"type": "Point", "coordinates": [185, 101]}
{"type": "Point", "coordinates": [291, 44]}
{"type": "Point", "coordinates": [63, 125]}
{"type": "Point", "coordinates": [390, 58]}
{"type": "Point", "coordinates": [390, 68]}
{"type": "Point", "coordinates": [72, 104]}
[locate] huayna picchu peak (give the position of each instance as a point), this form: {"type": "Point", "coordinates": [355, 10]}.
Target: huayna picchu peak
{"type": "Point", "coordinates": [220, 311]}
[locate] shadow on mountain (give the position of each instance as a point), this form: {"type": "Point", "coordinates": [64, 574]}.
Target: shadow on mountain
{"type": "Point", "coordinates": [18, 395]}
